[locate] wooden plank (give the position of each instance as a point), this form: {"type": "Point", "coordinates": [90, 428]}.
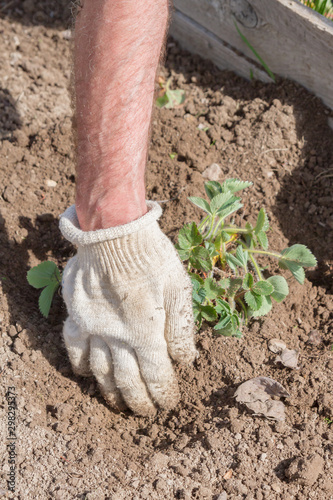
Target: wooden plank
{"type": "Point", "coordinates": [294, 41]}
{"type": "Point", "coordinates": [209, 46]}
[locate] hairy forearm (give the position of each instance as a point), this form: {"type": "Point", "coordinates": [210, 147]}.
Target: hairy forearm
{"type": "Point", "coordinates": [117, 49]}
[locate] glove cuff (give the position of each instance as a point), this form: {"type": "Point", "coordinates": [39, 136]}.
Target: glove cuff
{"type": "Point", "coordinates": [70, 227]}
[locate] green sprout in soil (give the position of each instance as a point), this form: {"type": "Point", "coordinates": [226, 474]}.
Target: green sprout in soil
{"type": "Point", "coordinates": [46, 275]}
{"type": "Point", "coordinates": [229, 286]}
{"type": "Point", "coordinates": [255, 53]}
{"type": "Point", "coordinates": [169, 98]}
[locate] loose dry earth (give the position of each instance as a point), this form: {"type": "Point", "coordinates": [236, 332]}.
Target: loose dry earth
{"type": "Point", "coordinates": [70, 445]}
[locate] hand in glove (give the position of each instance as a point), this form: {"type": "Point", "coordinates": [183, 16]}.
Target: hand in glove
{"type": "Point", "coordinates": [129, 302]}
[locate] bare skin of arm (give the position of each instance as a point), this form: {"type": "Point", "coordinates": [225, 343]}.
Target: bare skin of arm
{"type": "Point", "coordinates": [117, 50]}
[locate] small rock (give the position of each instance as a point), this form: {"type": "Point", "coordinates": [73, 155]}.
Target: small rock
{"type": "Point", "coordinates": [21, 138]}
{"type": "Point", "coordinates": [305, 471]}
{"type": "Point", "coordinates": [263, 457]}
{"type": "Point", "coordinates": [276, 487]}
{"type": "Point", "coordinates": [330, 364]}
{"type": "Point", "coordinates": [276, 345]}
{"type": "Point", "coordinates": [315, 338]}
{"type": "Point", "coordinates": [213, 172]}
{"type": "Point", "coordinates": [238, 436]}
{"type": "Point", "coordinates": [66, 34]}
{"type": "Point", "coordinates": [50, 183]}
{"type": "Point", "coordinates": [222, 496]}
{"type": "Point", "coordinates": [159, 461]}
{"type": "Point", "coordinates": [19, 347]}
{"type": "Point", "coordinates": [12, 331]}
{"type": "Point", "coordinates": [228, 474]}
{"type": "Point", "coordinates": [9, 194]}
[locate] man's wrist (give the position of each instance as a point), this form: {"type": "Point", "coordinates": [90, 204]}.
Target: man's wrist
{"type": "Point", "coordinates": [114, 208]}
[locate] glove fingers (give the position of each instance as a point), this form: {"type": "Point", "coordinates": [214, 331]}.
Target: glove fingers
{"type": "Point", "coordinates": [156, 369]}
{"type": "Point", "coordinates": [101, 364]}
{"type": "Point", "coordinates": [179, 325]}
{"type": "Point", "coordinates": [78, 348]}
{"type": "Point", "coordinates": [129, 381]}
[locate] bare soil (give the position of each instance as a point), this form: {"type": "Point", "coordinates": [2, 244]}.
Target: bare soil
{"type": "Point", "coordinates": [70, 444]}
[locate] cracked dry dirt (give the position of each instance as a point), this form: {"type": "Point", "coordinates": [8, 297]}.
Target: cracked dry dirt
{"type": "Point", "coordinates": [70, 445]}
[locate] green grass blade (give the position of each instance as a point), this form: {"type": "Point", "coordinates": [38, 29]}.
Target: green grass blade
{"type": "Point", "coordinates": [262, 62]}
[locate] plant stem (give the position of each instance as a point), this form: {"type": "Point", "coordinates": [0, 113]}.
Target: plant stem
{"type": "Point", "coordinates": [203, 222]}
{"type": "Point", "coordinates": [211, 228]}
{"type": "Point", "coordinates": [241, 303]}
{"type": "Point", "coordinates": [262, 252]}
{"type": "Point", "coordinates": [256, 267]}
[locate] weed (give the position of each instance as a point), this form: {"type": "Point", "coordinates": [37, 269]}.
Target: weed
{"type": "Point", "coordinates": [228, 283]}
{"type": "Point", "coordinates": [260, 59]}
{"type": "Point", "coordinates": [46, 275]}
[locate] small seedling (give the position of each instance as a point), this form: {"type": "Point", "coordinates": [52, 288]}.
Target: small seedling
{"type": "Point", "coordinates": [169, 98]}
{"type": "Point", "coordinates": [260, 59]}
{"type": "Point", "coordinates": [46, 275]}
{"type": "Point", "coordinates": [173, 155]}
{"type": "Point", "coordinates": [229, 286]}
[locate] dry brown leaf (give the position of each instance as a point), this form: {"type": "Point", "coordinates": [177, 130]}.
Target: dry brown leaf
{"type": "Point", "coordinates": [256, 395]}
{"type": "Point", "coordinates": [288, 357]}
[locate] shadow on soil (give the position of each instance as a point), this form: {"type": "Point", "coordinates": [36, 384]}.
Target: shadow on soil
{"type": "Point", "coordinates": [48, 13]}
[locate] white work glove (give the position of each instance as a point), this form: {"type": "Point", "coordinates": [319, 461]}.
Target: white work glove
{"type": "Point", "coordinates": [129, 302]}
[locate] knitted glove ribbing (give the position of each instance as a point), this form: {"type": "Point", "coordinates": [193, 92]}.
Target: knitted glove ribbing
{"type": "Point", "coordinates": [130, 306]}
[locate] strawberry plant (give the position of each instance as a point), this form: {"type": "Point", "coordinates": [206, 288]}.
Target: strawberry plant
{"type": "Point", "coordinates": [47, 276]}
{"type": "Point", "coordinates": [229, 286]}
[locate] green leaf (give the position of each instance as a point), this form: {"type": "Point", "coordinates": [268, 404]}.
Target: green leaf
{"type": "Point", "coordinates": [224, 283]}
{"type": "Point", "coordinates": [212, 188]}
{"type": "Point", "coordinates": [299, 254]}
{"type": "Point", "coordinates": [220, 200]}
{"type": "Point", "coordinates": [281, 289]}
{"type": "Point", "coordinates": [189, 236]}
{"type": "Point", "coordinates": [253, 300]}
{"type": "Point", "coordinates": [211, 248]}
{"type": "Point", "coordinates": [223, 213]}
{"type": "Point", "coordinates": [234, 185]}
{"type": "Point", "coordinates": [212, 289]}
{"type": "Point", "coordinates": [44, 274]}
{"type": "Point", "coordinates": [263, 288]}
{"type": "Point", "coordinates": [242, 256]}
{"type": "Point", "coordinates": [222, 306]}
{"type": "Point", "coordinates": [225, 236]}
{"type": "Point", "coordinates": [45, 298]}
{"type": "Point", "coordinates": [247, 281]}
{"type": "Point", "coordinates": [262, 222]}
{"type": "Point", "coordinates": [200, 259]}
{"type": "Point", "coordinates": [232, 261]}
{"type": "Point", "coordinates": [162, 101]}
{"type": "Point", "coordinates": [201, 203]}
{"type": "Point", "coordinates": [175, 98]}
{"type": "Point", "coordinates": [196, 312]}
{"type": "Point", "coordinates": [196, 277]}
{"type": "Point", "coordinates": [198, 295]}
{"type": "Point", "coordinates": [209, 313]}
{"type": "Point", "coordinates": [263, 240]}
{"type": "Point", "coordinates": [183, 254]}
{"type": "Point", "coordinates": [264, 309]}
{"type": "Point", "coordinates": [235, 284]}
{"type": "Point", "coordinates": [296, 270]}
{"type": "Point", "coordinates": [223, 323]}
